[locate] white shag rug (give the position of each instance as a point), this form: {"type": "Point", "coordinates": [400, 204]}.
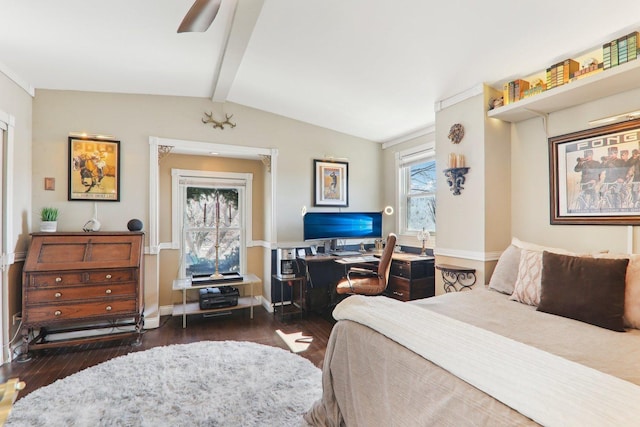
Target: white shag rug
{"type": "Point", "coordinates": [222, 383]}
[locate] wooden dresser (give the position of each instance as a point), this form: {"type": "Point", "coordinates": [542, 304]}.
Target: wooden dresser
{"type": "Point", "coordinates": [411, 277]}
{"type": "Point", "coordinates": [89, 284]}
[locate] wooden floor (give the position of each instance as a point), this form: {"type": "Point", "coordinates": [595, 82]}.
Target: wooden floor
{"type": "Point", "coordinates": [48, 365]}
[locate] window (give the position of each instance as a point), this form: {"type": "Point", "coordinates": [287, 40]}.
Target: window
{"type": "Point", "coordinates": [417, 190]}
{"type": "Point", "coordinates": [212, 233]}
{"type": "Point", "coordinates": [211, 213]}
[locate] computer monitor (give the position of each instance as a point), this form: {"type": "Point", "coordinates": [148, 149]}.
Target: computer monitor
{"type": "Point", "coordinates": [342, 225]}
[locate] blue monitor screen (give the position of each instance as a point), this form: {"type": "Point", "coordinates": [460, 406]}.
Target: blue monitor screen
{"type": "Point", "coordinates": [342, 225]}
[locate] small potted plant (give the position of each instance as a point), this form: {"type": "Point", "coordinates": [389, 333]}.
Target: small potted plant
{"type": "Point", "coordinates": [49, 218]}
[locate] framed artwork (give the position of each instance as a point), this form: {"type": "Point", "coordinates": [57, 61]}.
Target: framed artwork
{"type": "Point", "coordinates": [595, 175]}
{"type": "Point", "coordinates": [331, 182]}
{"type": "Point", "coordinates": [94, 169]}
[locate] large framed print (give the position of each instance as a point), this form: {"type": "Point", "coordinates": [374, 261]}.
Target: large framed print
{"type": "Point", "coordinates": [94, 169]}
{"type": "Point", "coordinates": [331, 182]}
{"type": "Point", "coordinates": [595, 175]}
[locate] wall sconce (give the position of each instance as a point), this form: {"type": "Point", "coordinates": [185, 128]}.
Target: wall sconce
{"type": "Point", "coordinates": [617, 118]}
{"type": "Point", "coordinates": [388, 210]}
{"type": "Point", "coordinates": [455, 179]}
{"type": "Point", "coordinates": [456, 172]}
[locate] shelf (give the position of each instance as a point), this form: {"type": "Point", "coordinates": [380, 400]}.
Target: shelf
{"type": "Point", "coordinates": [194, 307]}
{"type": "Point", "coordinates": [606, 83]}
{"type": "Point", "coordinates": [186, 308]}
{"type": "Point", "coordinates": [186, 284]}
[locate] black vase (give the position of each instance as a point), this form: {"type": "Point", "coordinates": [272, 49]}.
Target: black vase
{"type": "Point", "coordinates": [134, 225]}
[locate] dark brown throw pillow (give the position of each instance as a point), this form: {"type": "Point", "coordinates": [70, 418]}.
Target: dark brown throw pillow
{"type": "Point", "coordinates": [587, 289]}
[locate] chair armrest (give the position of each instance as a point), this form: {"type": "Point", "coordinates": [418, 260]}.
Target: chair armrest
{"type": "Point", "coordinates": [362, 272]}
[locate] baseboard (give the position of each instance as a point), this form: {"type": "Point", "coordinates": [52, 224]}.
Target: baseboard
{"type": "Point", "coordinates": [166, 310]}
{"type": "Point", "coordinates": [471, 255]}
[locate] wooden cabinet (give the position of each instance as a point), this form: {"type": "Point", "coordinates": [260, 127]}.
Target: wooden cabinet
{"type": "Point", "coordinates": [75, 282]}
{"type": "Point", "coordinates": [411, 277]}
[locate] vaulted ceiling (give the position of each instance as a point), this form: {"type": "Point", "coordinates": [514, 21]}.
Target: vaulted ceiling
{"type": "Point", "coordinates": [369, 68]}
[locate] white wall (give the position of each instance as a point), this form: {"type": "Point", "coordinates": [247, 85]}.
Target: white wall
{"type": "Point", "coordinates": [16, 102]}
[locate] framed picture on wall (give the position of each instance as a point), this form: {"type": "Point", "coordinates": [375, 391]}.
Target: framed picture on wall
{"type": "Point", "coordinates": [331, 182]}
{"type": "Point", "coordinates": [94, 169]}
{"type": "Point", "coordinates": [595, 175]}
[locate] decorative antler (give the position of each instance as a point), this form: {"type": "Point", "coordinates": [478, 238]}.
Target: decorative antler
{"type": "Point", "coordinates": [217, 124]}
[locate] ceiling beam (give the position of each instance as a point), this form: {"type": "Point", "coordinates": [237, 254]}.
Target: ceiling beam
{"type": "Point", "coordinates": [243, 21]}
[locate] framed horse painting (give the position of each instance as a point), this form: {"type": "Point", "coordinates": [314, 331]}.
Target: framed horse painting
{"type": "Point", "coordinates": [331, 183]}
{"type": "Point", "coordinates": [94, 169]}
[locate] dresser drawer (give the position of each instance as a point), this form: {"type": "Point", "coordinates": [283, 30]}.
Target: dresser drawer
{"type": "Point", "coordinates": [87, 310]}
{"type": "Point", "coordinates": [55, 295]}
{"type": "Point", "coordinates": [399, 288]}
{"type": "Point", "coordinates": [111, 276]}
{"type": "Point", "coordinates": [408, 269]}
{"type": "Point", "coordinates": [54, 279]}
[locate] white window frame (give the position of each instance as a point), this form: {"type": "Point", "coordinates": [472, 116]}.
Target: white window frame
{"type": "Point", "coordinates": [406, 158]}
{"type": "Point", "coordinates": [243, 181]}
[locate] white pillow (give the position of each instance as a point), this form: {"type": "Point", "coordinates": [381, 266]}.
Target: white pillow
{"type": "Point", "coordinates": [505, 274]}
{"type": "Point", "coordinates": [529, 281]}
{"type": "Point", "coordinates": [538, 248]}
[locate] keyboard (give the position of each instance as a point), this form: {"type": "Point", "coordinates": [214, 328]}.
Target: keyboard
{"type": "Point", "coordinates": [346, 253]}
{"type": "Point", "coordinates": [358, 259]}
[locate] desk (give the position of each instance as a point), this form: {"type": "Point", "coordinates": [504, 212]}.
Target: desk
{"type": "Point", "coordinates": [323, 272]}
{"type": "Point", "coordinates": [411, 276]}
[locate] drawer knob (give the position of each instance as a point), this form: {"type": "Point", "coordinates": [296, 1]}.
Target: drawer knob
{"type": "Point", "coordinates": [57, 295]}
{"type": "Point", "coordinates": [108, 308]}
{"type": "Point", "coordinates": [57, 313]}
{"type": "Point", "coordinates": [58, 279]}
{"type": "Point", "coordinates": [108, 276]}
{"type": "Point", "coordinates": [108, 291]}
{"type": "Point", "coordinates": [400, 294]}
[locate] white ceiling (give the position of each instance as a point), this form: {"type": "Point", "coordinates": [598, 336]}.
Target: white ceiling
{"type": "Point", "coordinates": [368, 68]}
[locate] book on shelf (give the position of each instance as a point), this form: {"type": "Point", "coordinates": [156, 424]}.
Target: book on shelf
{"type": "Point", "coordinates": [560, 73]}
{"type": "Point", "coordinates": [606, 55]}
{"type": "Point", "coordinates": [622, 50]}
{"type": "Point", "coordinates": [633, 45]}
{"type": "Point", "coordinates": [514, 90]}
{"type": "Point", "coordinates": [519, 87]}
{"type": "Point", "coordinates": [614, 53]}
{"type": "Point", "coordinates": [505, 94]}
{"type": "Point", "coordinates": [536, 90]}
{"type": "Point", "coordinates": [551, 77]}
{"type": "Point", "coordinates": [586, 72]}
{"type": "Point", "coordinates": [569, 66]}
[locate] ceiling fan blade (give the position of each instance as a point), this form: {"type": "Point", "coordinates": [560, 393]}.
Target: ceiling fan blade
{"type": "Point", "coordinates": [200, 16]}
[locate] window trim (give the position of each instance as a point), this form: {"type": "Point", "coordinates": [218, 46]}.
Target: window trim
{"type": "Point", "coordinates": [405, 158]}
{"type": "Point", "coordinates": [244, 180]}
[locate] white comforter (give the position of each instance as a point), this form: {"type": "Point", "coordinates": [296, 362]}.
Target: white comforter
{"type": "Point", "coordinates": [545, 387]}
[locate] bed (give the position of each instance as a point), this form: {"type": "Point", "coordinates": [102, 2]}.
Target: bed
{"type": "Point", "coordinates": [485, 357]}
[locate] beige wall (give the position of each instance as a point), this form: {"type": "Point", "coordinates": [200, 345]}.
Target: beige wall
{"type": "Point", "coordinates": [132, 119]}
{"type": "Point", "coordinates": [530, 180]}
{"type": "Point", "coordinates": [169, 259]}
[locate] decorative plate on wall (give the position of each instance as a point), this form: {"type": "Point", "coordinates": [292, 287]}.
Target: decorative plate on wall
{"type": "Point", "coordinates": [456, 133]}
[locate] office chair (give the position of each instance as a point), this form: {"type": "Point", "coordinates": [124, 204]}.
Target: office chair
{"type": "Point", "coordinates": [369, 282]}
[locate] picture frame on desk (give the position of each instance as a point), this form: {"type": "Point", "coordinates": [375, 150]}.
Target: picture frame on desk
{"type": "Point", "coordinates": [595, 175]}
{"type": "Point", "coordinates": [331, 183]}
{"type": "Point", "coordinates": [94, 169]}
